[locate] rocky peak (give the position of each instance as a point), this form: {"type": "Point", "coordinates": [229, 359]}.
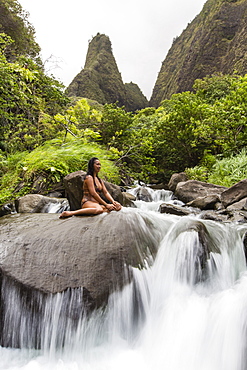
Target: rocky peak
{"type": "Point", "coordinates": [215, 41]}
{"type": "Point", "coordinates": [100, 78]}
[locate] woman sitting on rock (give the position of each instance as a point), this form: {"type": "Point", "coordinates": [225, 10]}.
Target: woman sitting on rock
{"type": "Point", "coordinates": [92, 203]}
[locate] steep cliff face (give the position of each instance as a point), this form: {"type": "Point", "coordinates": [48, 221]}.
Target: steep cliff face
{"type": "Point", "coordinates": [100, 79]}
{"type": "Point", "coordinates": [135, 98]}
{"type": "Point", "coordinates": [215, 41]}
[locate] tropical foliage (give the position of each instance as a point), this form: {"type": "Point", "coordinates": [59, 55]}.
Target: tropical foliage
{"type": "Point", "coordinates": [221, 171]}
{"type": "Point", "coordinates": [27, 95]}
{"type": "Point", "coordinates": [14, 22]}
{"type": "Point", "coordinates": [48, 164]}
{"type": "Point", "coordinates": [44, 134]}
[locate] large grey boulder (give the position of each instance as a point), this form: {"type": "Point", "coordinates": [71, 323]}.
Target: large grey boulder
{"type": "Point", "coordinates": [192, 189]}
{"type": "Point", "coordinates": [45, 253]}
{"type": "Point", "coordinates": [36, 203]}
{"type": "Point", "coordinates": [73, 184]}
{"type": "Point", "coordinates": [234, 193]}
{"type": "Point", "coordinates": [61, 270]}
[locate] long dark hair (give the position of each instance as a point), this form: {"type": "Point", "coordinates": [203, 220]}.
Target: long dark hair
{"type": "Point", "coordinates": [90, 169]}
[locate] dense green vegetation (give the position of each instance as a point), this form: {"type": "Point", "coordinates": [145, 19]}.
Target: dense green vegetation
{"type": "Point", "coordinates": [213, 42]}
{"type": "Point", "coordinates": [45, 135]}
{"type": "Point", "coordinates": [14, 22]}
{"type": "Point", "coordinates": [27, 95]}
{"type": "Point", "coordinates": [225, 171]}
{"type": "Point", "coordinates": [48, 164]}
{"type": "Point", "coordinates": [212, 120]}
{"type": "Point", "coordinates": [190, 129]}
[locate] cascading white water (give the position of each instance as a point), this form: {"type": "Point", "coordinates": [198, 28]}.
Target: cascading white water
{"type": "Point", "coordinates": [179, 314]}
{"type": "Point", "coordinates": [157, 197]}
{"type": "Point", "coordinates": [57, 207]}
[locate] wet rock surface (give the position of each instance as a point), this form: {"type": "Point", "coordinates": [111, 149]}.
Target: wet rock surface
{"type": "Point", "coordinates": [48, 254]}
{"type": "Point", "coordinates": [174, 210]}
{"type": "Point", "coordinates": [217, 203]}
{"type": "Point", "coordinates": [235, 193]}
{"type": "Point", "coordinates": [190, 190]}
{"type": "Point", "coordinates": [36, 203]}
{"type": "Point", "coordinates": [143, 194]}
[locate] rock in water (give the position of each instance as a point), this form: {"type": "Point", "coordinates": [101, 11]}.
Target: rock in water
{"type": "Point", "coordinates": [45, 253]}
{"type": "Point", "coordinates": [193, 189]}
{"type": "Point", "coordinates": [235, 193]}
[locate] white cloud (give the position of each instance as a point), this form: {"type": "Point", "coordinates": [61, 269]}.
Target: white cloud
{"type": "Point", "coordinates": [141, 33]}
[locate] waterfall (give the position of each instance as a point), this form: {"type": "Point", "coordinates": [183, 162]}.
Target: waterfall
{"type": "Point", "coordinates": [57, 207]}
{"type": "Point", "coordinates": [181, 312]}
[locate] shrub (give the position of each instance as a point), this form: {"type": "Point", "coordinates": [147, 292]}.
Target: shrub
{"type": "Point", "coordinates": [51, 161]}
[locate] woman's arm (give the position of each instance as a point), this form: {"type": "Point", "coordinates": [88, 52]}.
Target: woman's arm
{"type": "Point", "coordinates": [106, 193]}
{"type": "Point", "coordinates": [108, 196]}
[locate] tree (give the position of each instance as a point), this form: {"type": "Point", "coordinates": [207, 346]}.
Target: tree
{"type": "Point", "coordinates": [26, 93]}
{"type": "Point", "coordinates": [14, 22]}
{"type": "Point", "coordinates": [226, 126]}
{"type": "Point", "coordinates": [115, 125]}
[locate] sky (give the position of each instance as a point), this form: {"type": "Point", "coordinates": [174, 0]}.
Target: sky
{"type": "Point", "coordinates": [141, 33]}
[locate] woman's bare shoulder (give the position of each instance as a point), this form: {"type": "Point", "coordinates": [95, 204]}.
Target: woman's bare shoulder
{"type": "Point", "coordinates": [88, 180]}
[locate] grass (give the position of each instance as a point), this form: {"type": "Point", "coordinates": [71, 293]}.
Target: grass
{"type": "Point", "coordinates": [52, 161]}
{"type": "Point", "coordinates": [225, 172]}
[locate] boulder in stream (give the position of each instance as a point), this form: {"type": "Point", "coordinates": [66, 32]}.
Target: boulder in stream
{"type": "Point", "coordinates": [44, 253]}
{"type": "Point", "coordinates": [36, 203]}
{"type": "Point", "coordinates": [175, 179]}
{"type": "Point", "coordinates": [73, 184]}
{"type": "Point", "coordinates": [235, 193]}
{"type": "Point", "coordinates": [207, 202]}
{"type": "Point", "coordinates": [190, 190]}
{"type": "Point", "coordinates": [65, 268]}
{"type": "Point", "coordinates": [174, 210]}
{"type": "Point", "coordinates": [143, 194]}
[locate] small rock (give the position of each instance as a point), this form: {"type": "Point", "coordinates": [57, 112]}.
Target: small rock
{"type": "Point", "coordinates": [173, 210]}
{"type": "Point", "coordinates": [207, 202]}
{"type": "Point", "coordinates": [175, 179]}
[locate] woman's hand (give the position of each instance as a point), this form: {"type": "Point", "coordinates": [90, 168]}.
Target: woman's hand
{"type": "Point", "coordinates": [117, 205]}
{"type": "Point", "coordinates": [114, 206]}
{"type": "Point", "coordinates": [110, 207]}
